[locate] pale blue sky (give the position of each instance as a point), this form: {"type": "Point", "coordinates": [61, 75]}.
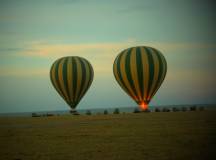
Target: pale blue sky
{"type": "Point", "coordinates": [35, 33]}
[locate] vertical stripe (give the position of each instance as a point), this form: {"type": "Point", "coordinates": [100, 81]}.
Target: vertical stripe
{"type": "Point", "coordinates": [91, 74]}
{"type": "Point", "coordinates": [164, 69]}
{"type": "Point", "coordinates": [61, 81]}
{"type": "Point", "coordinates": [83, 69]}
{"type": "Point", "coordinates": [160, 72]}
{"type": "Point", "coordinates": [125, 75]}
{"type": "Point", "coordinates": [70, 77]}
{"type": "Point", "coordinates": [134, 75]}
{"type": "Point", "coordinates": [65, 77]}
{"type": "Point", "coordinates": [165, 65]}
{"type": "Point", "coordinates": [83, 73]}
{"type": "Point", "coordinates": [156, 73]}
{"type": "Point", "coordinates": [116, 74]}
{"type": "Point", "coordinates": [57, 78]}
{"type": "Point", "coordinates": [140, 71]}
{"type": "Point", "coordinates": [145, 66]}
{"type": "Point", "coordinates": [151, 71]}
{"type": "Point", "coordinates": [79, 77]}
{"type": "Point", "coordinates": [119, 73]}
{"type": "Point", "coordinates": [86, 80]}
{"type": "Point", "coordinates": [53, 79]}
{"type": "Point", "coordinates": [90, 79]}
{"type": "Point", "coordinates": [74, 73]}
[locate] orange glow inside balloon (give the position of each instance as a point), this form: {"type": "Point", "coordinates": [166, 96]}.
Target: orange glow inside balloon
{"type": "Point", "coordinates": [143, 106]}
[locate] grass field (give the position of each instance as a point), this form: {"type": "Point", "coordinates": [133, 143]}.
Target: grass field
{"type": "Point", "coordinates": [142, 136]}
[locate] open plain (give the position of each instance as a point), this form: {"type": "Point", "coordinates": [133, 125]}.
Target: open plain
{"type": "Point", "coordinates": [146, 136]}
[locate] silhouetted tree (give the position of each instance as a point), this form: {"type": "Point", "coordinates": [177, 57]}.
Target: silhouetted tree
{"type": "Point", "coordinates": [88, 112]}
{"type": "Point", "coordinates": [157, 110]}
{"type": "Point", "coordinates": [49, 114]}
{"type": "Point", "coordinates": [193, 108]}
{"type": "Point", "coordinates": [35, 115]}
{"type": "Point", "coordinates": [166, 109]}
{"type": "Point", "coordinates": [136, 110]}
{"type": "Point", "coordinates": [105, 112]}
{"type": "Point", "coordinates": [174, 109]}
{"type": "Point", "coordinates": [147, 110]}
{"type": "Point", "coordinates": [116, 111]}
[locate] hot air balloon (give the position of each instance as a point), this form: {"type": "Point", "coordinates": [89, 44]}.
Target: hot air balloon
{"type": "Point", "coordinates": [71, 77]}
{"type": "Point", "coordinates": [140, 72]}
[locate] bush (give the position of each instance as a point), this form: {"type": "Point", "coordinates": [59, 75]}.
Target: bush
{"type": "Point", "coordinates": [116, 111]}
{"type": "Point", "coordinates": [105, 112]}
{"type": "Point", "coordinates": [88, 112]}
{"type": "Point", "coordinates": [35, 115]}
{"type": "Point", "coordinates": [49, 114]}
{"type": "Point", "coordinates": [157, 110]}
{"type": "Point", "coordinates": [174, 109]}
{"type": "Point", "coordinates": [147, 110]}
{"type": "Point", "coordinates": [193, 108]}
{"type": "Point", "coordinates": [183, 109]}
{"type": "Point", "coordinates": [165, 109]}
{"type": "Point", "coordinates": [136, 110]}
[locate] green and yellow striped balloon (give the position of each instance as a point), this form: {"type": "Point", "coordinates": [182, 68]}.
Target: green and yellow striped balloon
{"type": "Point", "coordinates": [140, 72]}
{"type": "Point", "coordinates": [71, 77]}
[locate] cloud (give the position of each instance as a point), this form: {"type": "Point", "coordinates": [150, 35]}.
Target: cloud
{"type": "Point", "coordinates": [45, 50]}
{"type": "Point", "coordinates": [56, 50]}
{"type": "Point", "coordinates": [100, 55]}
{"type": "Point", "coordinates": [103, 54]}
{"type": "Point", "coordinates": [11, 49]}
{"type": "Point", "coordinates": [23, 72]}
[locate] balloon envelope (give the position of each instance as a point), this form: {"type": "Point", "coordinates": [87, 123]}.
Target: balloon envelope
{"type": "Point", "coordinates": [71, 77]}
{"type": "Point", "coordinates": [140, 72]}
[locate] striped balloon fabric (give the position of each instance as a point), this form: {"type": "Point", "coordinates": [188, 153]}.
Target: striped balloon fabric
{"type": "Point", "coordinates": [71, 77]}
{"type": "Point", "coordinates": [140, 72]}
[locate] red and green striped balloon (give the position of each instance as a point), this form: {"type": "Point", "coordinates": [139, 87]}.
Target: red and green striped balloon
{"type": "Point", "coordinates": [140, 72]}
{"type": "Point", "coordinates": [71, 77]}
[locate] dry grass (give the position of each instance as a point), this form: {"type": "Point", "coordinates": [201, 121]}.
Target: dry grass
{"type": "Point", "coordinates": [143, 136]}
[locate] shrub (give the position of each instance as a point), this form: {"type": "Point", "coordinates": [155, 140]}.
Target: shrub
{"type": "Point", "coordinates": [105, 112]}
{"type": "Point", "coordinates": [116, 111]}
{"type": "Point", "coordinates": [136, 110]}
{"type": "Point", "coordinates": [157, 110]}
{"type": "Point", "coordinates": [49, 114]}
{"type": "Point", "coordinates": [174, 109]}
{"type": "Point", "coordinates": [147, 110]}
{"type": "Point", "coordinates": [35, 115]}
{"type": "Point", "coordinates": [88, 112]}
{"type": "Point", "coordinates": [165, 109]}
{"type": "Point", "coordinates": [193, 108]}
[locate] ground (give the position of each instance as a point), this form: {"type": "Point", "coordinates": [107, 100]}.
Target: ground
{"type": "Point", "coordinates": [140, 136]}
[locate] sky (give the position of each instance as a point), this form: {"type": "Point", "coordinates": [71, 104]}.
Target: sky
{"type": "Point", "coordinates": [33, 34]}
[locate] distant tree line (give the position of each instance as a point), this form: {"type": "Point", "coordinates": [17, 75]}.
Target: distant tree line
{"type": "Point", "coordinates": [157, 109]}
{"type": "Point", "coordinates": [42, 115]}
{"type": "Point", "coordinates": [177, 109]}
